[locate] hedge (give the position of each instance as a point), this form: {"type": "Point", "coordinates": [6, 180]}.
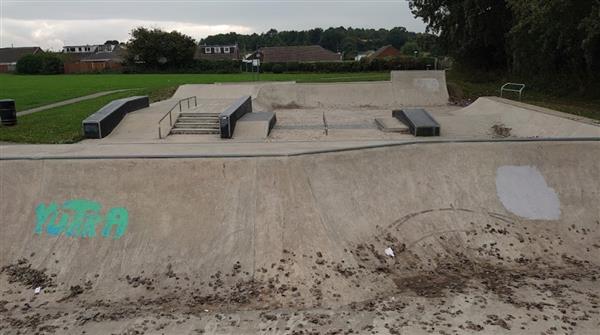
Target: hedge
{"type": "Point", "coordinates": [197, 66]}
{"type": "Point", "coordinates": [45, 63]}
{"type": "Point", "coordinates": [400, 63]}
{"type": "Point", "coordinates": [233, 66]}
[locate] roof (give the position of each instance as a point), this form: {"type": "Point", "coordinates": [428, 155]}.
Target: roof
{"type": "Point", "coordinates": [302, 53]}
{"type": "Point", "coordinates": [104, 56]}
{"type": "Point", "coordinates": [12, 55]}
{"type": "Point", "coordinates": [385, 51]}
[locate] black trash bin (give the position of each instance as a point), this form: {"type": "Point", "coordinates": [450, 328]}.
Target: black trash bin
{"type": "Point", "coordinates": [8, 113]}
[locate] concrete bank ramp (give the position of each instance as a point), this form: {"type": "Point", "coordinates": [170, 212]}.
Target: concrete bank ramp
{"type": "Point", "coordinates": [406, 88]}
{"type": "Point", "coordinates": [486, 236]}
{"type": "Point", "coordinates": [522, 119]}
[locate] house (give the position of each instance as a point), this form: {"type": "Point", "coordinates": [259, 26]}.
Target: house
{"type": "Point", "coordinates": [386, 51]}
{"type": "Point", "coordinates": [217, 52]}
{"type": "Point", "coordinates": [93, 58]}
{"type": "Point", "coordinates": [10, 56]}
{"type": "Point", "coordinates": [301, 53]}
{"type": "Point", "coordinates": [363, 55]}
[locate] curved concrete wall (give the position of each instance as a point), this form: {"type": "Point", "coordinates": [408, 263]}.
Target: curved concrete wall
{"type": "Point", "coordinates": [204, 215]}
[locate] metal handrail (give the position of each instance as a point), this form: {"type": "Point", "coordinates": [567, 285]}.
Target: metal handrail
{"type": "Point", "coordinates": [173, 108]}
{"type": "Point", "coordinates": [519, 90]}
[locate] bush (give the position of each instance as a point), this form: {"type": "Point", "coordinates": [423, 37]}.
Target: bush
{"type": "Point", "coordinates": [197, 66]}
{"type": "Point", "coordinates": [30, 64]}
{"type": "Point", "coordinates": [45, 63]}
{"type": "Point", "coordinates": [387, 64]}
{"type": "Point", "coordinates": [277, 68]}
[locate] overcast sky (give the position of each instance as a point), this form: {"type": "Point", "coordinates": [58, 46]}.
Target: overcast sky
{"type": "Point", "coordinates": [52, 24]}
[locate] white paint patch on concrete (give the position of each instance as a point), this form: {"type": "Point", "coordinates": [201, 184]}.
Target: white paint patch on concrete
{"type": "Point", "coordinates": [427, 84]}
{"type": "Point", "coordinates": [523, 191]}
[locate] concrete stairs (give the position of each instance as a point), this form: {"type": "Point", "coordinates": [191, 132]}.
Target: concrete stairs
{"type": "Point", "coordinates": [196, 123]}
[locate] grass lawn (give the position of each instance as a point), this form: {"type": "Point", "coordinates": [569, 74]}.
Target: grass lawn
{"type": "Point", "coordinates": [33, 91]}
{"type": "Point", "coordinates": [57, 125]}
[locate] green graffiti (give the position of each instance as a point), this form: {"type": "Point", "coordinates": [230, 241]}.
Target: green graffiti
{"type": "Point", "coordinates": [119, 217]}
{"type": "Point", "coordinates": [80, 218]}
{"type": "Point", "coordinates": [86, 216]}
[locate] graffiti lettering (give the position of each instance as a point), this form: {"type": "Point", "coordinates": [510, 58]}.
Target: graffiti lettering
{"type": "Point", "coordinates": [80, 218]}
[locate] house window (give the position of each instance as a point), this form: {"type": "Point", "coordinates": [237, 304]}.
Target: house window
{"type": "Point", "coordinates": [217, 50]}
{"type": "Point", "coordinates": [207, 50]}
{"type": "Point", "coordinates": [226, 50]}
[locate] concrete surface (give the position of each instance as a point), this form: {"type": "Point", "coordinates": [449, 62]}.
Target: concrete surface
{"type": "Point", "coordinates": [391, 124]}
{"type": "Point", "coordinates": [295, 245]}
{"type": "Point", "coordinates": [191, 234]}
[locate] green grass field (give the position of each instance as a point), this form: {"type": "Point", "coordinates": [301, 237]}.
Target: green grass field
{"type": "Point", "coordinates": [33, 91]}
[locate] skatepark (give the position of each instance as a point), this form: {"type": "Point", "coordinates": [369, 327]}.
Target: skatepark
{"type": "Point", "coordinates": [322, 214]}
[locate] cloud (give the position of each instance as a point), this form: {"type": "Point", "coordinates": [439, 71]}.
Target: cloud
{"type": "Point", "coordinates": [54, 34]}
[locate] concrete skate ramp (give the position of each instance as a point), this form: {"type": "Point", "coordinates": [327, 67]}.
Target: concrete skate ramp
{"type": "Point", "coordinates": [524, 120]}
{"type": "Point", "coordinates": [311, 230]}
{"type": "Point", "coordinates": [406, 88]}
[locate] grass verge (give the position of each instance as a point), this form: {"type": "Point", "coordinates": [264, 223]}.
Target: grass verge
{"type": "Point", "coordinates": [57, 125]}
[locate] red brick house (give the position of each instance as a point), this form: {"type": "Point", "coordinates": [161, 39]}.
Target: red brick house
{"type": "Point", "coordinates": [10, 56]}
{"type": "Point", "coordinates": [301, 53]}
{"type": "Point", "coordinates": [386, 51]}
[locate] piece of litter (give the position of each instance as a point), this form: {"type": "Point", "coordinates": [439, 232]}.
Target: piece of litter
{"type": "Point", "coordinates": [389, 252]}
{"type": "Point", "coordinates": [37, 290]}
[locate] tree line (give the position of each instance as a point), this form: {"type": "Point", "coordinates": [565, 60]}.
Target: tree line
{"type": "Point", "coordinates": [550, 42]}
{"type": "Point", "coordinates": [348, 41]}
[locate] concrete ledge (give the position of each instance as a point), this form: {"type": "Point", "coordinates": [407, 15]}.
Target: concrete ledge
{"type": "Point", "coordinates": [391, 125]}
{"type": "Point", "coordinates": [235, 111]}
{"type": "Point", "coordinates": [101, 123]}
{"type": "Point", "coordinates": [255, 126]}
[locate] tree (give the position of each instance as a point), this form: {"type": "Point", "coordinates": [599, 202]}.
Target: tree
{"type": "Point", "coordinates": [410, 48]}
{"type": "Point", "coordinates": [156, 49]}
{"type": "Point", "coordinates": [473, 31]}
{"type": "Point", "coordinates": [590, 27]}
{"type": "Point", "coordinates": [555, 37]}
{"type": "Point", "coordinates": [332, 38]}
{"type": "Point", "coordinates": [397, 37]}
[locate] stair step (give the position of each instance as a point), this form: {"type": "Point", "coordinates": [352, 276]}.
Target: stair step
{"type": "Point", "coordinates": [199, 114]}
{"type": "Point", "coordinates": [179, 131]}
{"type": "Point", "coordinates": [196, 125]}
{"type": "Point", "coordinates": [213, 119]}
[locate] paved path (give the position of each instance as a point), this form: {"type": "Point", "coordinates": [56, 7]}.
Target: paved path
{"type": "Point", "coordinates": [68, 102]}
